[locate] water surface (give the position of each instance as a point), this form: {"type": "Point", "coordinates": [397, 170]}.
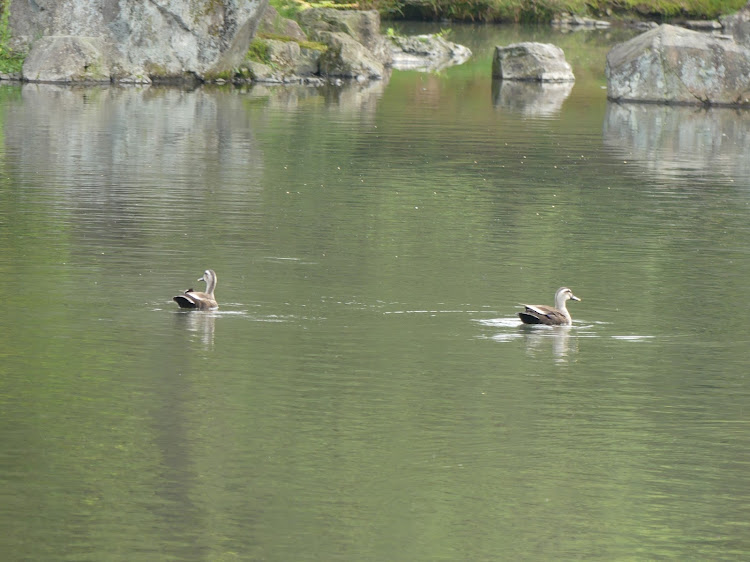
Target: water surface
{"type": "Point", "coordinates": [365, 391]}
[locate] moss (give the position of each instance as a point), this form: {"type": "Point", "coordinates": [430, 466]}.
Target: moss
{"type": "Point", "coordinates": [304, 44]}
{"type": "Point", "coordinates": [258, 51]}
{"type": "Point", "coordinates": [11, 62]}
{"type": "Point", "coordinates": [226, 75]}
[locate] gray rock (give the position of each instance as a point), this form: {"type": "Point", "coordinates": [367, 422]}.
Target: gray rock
{"type": "Point", "coordinates": [348, 58]}
{"type": "Point", "coordinates": [738, 25]}
{"type": "Point", "coordinates": [702, 25]}
{"type": "Point", "coordinates": [531, 61]}
{"type": "Point", "coordinates": [160, 39]}
{"type": "Point", "coordinates": [674, 65]}
{"type": "Point", "coordinates": [426, 53]}
{"type": "Point", "coordinates": [362, 26]}
{"type": "Point", "coordinates": [68, 59]}
{"type": "Point", "coordinates": [294, 59]}
{"type": "Point", "coordinates": [569, 21]}
{"type": "Point", "coordinates": [273, 23]}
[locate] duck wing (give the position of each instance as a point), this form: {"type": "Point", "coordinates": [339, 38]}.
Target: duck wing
{"type": "Point", "coordinates": [201, 300]}
{"type": "Point", "coordinates": [540, 314]}
{"type": "Point", "coordinates": [184, 300]}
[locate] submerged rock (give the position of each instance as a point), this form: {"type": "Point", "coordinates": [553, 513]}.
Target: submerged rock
{"type": "Point", "coordinates": [426, 53]}
{"type": "Point", "coordinates": [541, 62]}
{"type": "Point", "coordinates": [674, 65]}
{"type": "Point", "coordinates": [572, 21]}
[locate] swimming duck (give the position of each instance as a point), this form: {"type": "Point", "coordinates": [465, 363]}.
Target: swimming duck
{"type": "Point", "coordinates": [199, 299]}
{"type": "Point", "coordinates": [552, 316]}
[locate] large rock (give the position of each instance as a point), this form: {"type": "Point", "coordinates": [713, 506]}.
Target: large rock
{"type": "Point", "coordinates": [159, 39]}
{"type": "Point", "coordinates": [541, 62]}
{"type": "Point", "coordinates": [362, 26]}
{"type": "Point", "coordinates": [674, 65]}
{"type": "Point", "coordinates": [348, 58]}
{"type": "Point", "coordinates": [738, 25]}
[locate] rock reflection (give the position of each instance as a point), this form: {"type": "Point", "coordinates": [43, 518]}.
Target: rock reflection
{"type": "Point", "coordinates": [108, 135]}
{"type": "Point", "coordinates": [533, 99]}
{"type": "Point", "coordinates": [539, 338]}
{"type": "Point", "coordinates": [349, 97]}
{"type": "Point", "coordinates": [672, 142]}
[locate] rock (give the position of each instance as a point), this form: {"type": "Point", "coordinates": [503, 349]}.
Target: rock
{"type": "Point", "coordinates": [160, 39]}
{"type": "Point", "coordinates": [426, 53]}
{"type": "Point", "coordinates": [702, 25]}
{"type": "Point", "coordinates": [531, 61]}
{"type": "Point", "coordinates": [362, 26]}
{"type": "Point", "coordinates": [348, 58]}
{"type": "Point", "coordinates": [272, 23]}
{"type": "Point", "coordinates": [68, 59]}
{"type": "Point", "coordinates": [569, 21]}
{"type": "Point", "coordinates": [738, 25]}
{"type": "Point", "coordinates": [674, 65]}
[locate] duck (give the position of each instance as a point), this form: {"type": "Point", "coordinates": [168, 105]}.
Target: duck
{"type": "Point", "coordinates": [551, 316]}
{"type": "Point", "coordinates": [198, 299]}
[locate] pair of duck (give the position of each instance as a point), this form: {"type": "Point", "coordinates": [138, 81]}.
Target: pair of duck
{"type": "Point", "coordinates": [557, 315]}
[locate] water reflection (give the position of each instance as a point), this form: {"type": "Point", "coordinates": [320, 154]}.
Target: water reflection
{"type": "Point", "coordinates": [533, 99]}
{"type": "Point", "coordinates": [201, 323]}
{"type": "Point", "coordinates": [351, 97]}
{"type": "Point", "coordinates": [672, 142]}
{"type": "Point", "coordinates": [543, 339]}
{"type": "Point", "coordinates": [104, 137]}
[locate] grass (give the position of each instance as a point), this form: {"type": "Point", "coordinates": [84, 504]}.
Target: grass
{"type": "Point", "coordinates": [544, 10]}
{"type": "Point", "coordinates": [10, 61]}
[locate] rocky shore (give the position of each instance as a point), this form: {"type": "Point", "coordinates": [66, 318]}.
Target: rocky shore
{"type": "Point", "coordinates": [127, 41]}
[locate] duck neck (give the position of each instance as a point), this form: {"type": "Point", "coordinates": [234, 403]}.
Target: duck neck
{"type": "Point", "coordinates": [211, 284]}
{"type": "Point", "coordinates": [560, 305]}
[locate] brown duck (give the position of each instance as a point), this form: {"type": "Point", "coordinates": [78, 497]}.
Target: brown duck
{"type": "Point", "coordinates": [551, 316]}
{"type": "Point", "coordinates": [199, 299]}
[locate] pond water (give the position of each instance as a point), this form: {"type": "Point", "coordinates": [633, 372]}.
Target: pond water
{"type": "Point", "coordinates": [365, 391]}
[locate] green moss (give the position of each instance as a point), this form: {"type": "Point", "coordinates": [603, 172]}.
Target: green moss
{"type": "Point", "coordinates": [258, 51]}
{"type": "Point", "coordinates": [10, 61]}
{"type": "Point", "coordinates": [304, 44]}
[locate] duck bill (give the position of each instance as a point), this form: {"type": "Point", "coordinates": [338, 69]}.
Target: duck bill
{"type": "Point", "coordinates": [574, 298]}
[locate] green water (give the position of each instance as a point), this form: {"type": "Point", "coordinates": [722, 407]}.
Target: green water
{"type": "Point", "coordinates": [365, 391]}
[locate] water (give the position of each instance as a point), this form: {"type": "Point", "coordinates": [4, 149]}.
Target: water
{"type": "Point", "coordinates": [365, 391]}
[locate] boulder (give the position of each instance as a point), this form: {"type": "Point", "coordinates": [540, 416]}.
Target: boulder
{"type": "Point", "coordinates": [426, 52]}
{"type": "Point", "coordinates": [541, 62]}
{"type": "Point", "coordinates": [273, 23]}
{"type": "Point", "coordinates": [348, 58]}
{"type": "Point", "coordinates": [675, 65]}
{"type": "Point", "coordinates": [738, 25]}
{"type": "Point", "coordinates": [160, 39]}
{"type": "Point", "coordinates": [289, 54]}
{"type": "Point", "coordinates": [362, 26]}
